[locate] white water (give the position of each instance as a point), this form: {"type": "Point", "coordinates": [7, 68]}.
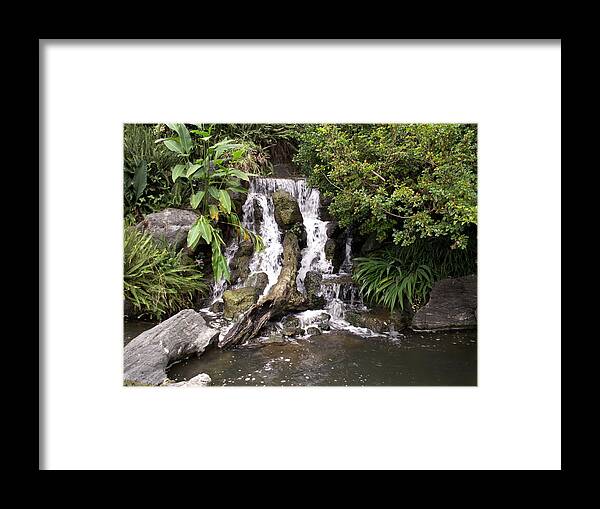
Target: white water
{"type": "Point", "coordinates": [270, 259]}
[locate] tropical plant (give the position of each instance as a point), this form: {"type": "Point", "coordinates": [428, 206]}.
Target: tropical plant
{"type": "Point", "coordinates": [397, 276]}
{"type": "Point", "coordinates": [212, 179]}
{"type": "Point", "coordinates": [157, 280]}
{"type": "Point", "coordinates": [147, 170]}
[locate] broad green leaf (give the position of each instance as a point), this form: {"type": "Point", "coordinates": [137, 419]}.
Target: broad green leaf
{"type": "Point", "coordinates": [194, 234]}
{"type": "Point", "coordinates": [174, 146]}
{"type": "Point", "coordinates": [239, 174]}
{"type": "Point", "coordinates": [178, 171]}
{"type": "Point", "coordinates": [206, 230]}
{"type": "Point", "coordinates": [225, 200]}
{"type": "Point", "coordinates": [185, 140]}
{"type": "Point", "coordinates": [196, 199]}
{"type": "Point", "coordinates": [214, 192]}
{"type": "Point", "coordinates": [191, 169]}
{"type": "Point", "coordinates": [140, 179]}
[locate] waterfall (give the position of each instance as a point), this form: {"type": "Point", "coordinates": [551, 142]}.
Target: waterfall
{"type": "Point", "coordinates": [270, 259]}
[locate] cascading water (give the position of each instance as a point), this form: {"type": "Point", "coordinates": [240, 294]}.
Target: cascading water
{"type": "Point", "coordinates": [270, 259]}
{"type": "Point", "coordinates": [259, 216]}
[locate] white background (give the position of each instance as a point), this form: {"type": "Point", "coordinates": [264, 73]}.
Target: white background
{"type": "Point", "coordinates": [510, 421]}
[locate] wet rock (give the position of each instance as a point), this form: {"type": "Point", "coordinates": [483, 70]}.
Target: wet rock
{"type": "Point", "coordinates": [334, 253]}
{"type": "Point", "coordinates": [324, 214]}
{"type": "Point", "coordinates": [201, 380]}
{"type": "Point", "coordinates": [169, 225]}
{"type": "Point", "coordinates": [274, 339]}
{"type": "Point", "coordinates": [258, 280]}
{"type": "Point", "coordinates": [377, 320]}
{"type": "Point", "coordinates": [313, 331]}
{"type": "Point", "coordinates": [332, 229]}
{"type": "Point", "coordinates": [239, 300]}
{"type": "Point", "coordinates": [258, 213]}
{"type": "Point", "coordinates": [239, 267]}
{"type": "Point", "coordinates": [147, 356]}
{"type": "Point", "coordinates": [452, 305]}
{"type": "Point", "coordinates": [285, 170]}
{"type": "Point", "coordinates": [245, 248]}
{"type": "Point", "coordinates": [312, 285]}
{"type": "Point", "coordinates": [323, 321]}
{"type": "Point", "coordinates": [287, 211]}
{"type": "Point", "coordinates": [291, 326]}
{"type": "Point", "coordinates": [217, 306]}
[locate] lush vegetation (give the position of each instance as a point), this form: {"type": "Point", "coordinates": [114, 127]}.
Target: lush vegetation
{"type": "Point", "coordinates": [212, 178]}
{"type": "Point", "coordinates": [399, 276]}
{"type": "Point", "coordinates": [157, 280]}
{"type": "Point", "coordinates": [408, 190]}
{"type": "Point", "coordinates": [410, 187]}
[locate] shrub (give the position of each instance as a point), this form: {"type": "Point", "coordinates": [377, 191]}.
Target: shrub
{"type": "Point", "coordinates": [397, 276]}
{"type": "Point", "coordinates": [157, 280]}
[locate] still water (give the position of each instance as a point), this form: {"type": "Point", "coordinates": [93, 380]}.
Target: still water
{"type": "Point", "coordinates": [338, 358]}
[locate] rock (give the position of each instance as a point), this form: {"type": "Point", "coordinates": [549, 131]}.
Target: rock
{"type": "Point", "coordinates": [377, 320]}
{"type": "Point", "coordinates": [324, 214]}
{"type": "Point", "coordinates": [369, 245]}
{"type": "Point", "coordinates": [217, 306]}
{"type": "Point", "coordinates": [285, 170]}
{"type": "Point", "coordinates": [332, 229]}
{"type": "Point", "coordinates": [452, 305]}
{"type": "Point", "coordinates": [313, 331]}
{"type": "Point", "coordinates": [239, 300]}
{"type": "Point", "coordinates": [258, 213]}
{"type": "Point", "coordinates": [287, 211]}
{"type": "Point", "coordinates": [169, 225]}
{"type": "Point", "coordinates": [291, 326]}
{"type": "Point", "coordinates": [147, 356]}
{"type": "Point", "coordinates": [274, 339]}
{"type": "Point", "coordinates": [312, 285]}
{"type": "Point", "coordinates": [258, 280]}
{"type": "Point", "coordinates": [201, 380]}
{"type": "Point", "coordinates": [245, 248]}
{"type": "Point", "coordinates": [239, 267]}
{"type": "Point", "coordinates": [323, 321]}
{"type": "Point", "coordinates": [334, 253]}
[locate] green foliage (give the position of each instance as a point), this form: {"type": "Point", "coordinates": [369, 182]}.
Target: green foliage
{"type": "Point", "coordinates": [401, 182]}
{"type": "Point", "coordinates": [157, 280]}
{"type": "Point", "coordinates": [211, 173]}
{"type": "Point", "coordinates": [397, 276]}
{"type": "Point", "coordinates": [147, 171]}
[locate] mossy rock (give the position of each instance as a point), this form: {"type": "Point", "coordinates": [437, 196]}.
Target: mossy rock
{"type": "Point", "coordinates": [239, 300]}
{"type": "Point", "coordinates": [287, 211]}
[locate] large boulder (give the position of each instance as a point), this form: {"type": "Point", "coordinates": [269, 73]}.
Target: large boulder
{"type": "Point", "coordinates": [452, 305]}
{"type": "Point", "coordinates": [147, 356]}
{"type": "Point", "coordinates": [287, 211]}
{"type": "Point", "coordinates": [169, 225]}
{"type": "Point", "coordinates": [239, 300]}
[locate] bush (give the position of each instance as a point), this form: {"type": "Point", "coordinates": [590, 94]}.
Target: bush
{"type": "Point", "coordinates": [397, 276]}
{"type": "Point", "coordinates": [157, 280]}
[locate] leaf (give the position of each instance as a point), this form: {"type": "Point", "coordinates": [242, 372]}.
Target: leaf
{"type": "Point", "coordinates": [191, 169]}
{"type": "Point", "coordinates": [213, 212]}
{"type": "Point", "coordinates": [196, 199]}
{"type": "Point", "coordinates": [239, 174]}
{"type": "Point", "coordinates": [174, 146]}
{"type": "Point", "coordinates": [214, 192]}
{"type": "Point", "coordinates": [185, 140]}
{"type": "Point", "coordinates": [178, 171]}
{"type": "Point", "coordinates": [225, 200]}
{"type": "Point", "coordinates": [206, 230]}
{"type": "Point", "coordinates": [194, 235]}
{"type": "Point", "coordinates": [140, 179]}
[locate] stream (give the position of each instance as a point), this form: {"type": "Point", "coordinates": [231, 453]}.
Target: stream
{"type": "Point", "coordinates": [339, 358]}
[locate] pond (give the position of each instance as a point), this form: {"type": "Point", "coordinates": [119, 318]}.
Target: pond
{"type": "Point", "coordinates": [338, 358]}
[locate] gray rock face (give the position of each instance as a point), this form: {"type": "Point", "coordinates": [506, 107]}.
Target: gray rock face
{"type": "Point", "coordinates": [287, 211]}
{"type": "Point", "coordinates": [239, 300]}
{"type": "Point", "coordinates": [169, 225]}
{"type": "Point", "coordinates": [313, 331]}
{"type": "Point", "coordinates": [291, 326]}
{"type": "Point", "coordinates": [217, 306]}
{"type": "Point", "coordinates": [259, 280]}
{"type": "Point", "coordinates": [452, 305]}
{"type": "Point", "coordinates": [147, 356]}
